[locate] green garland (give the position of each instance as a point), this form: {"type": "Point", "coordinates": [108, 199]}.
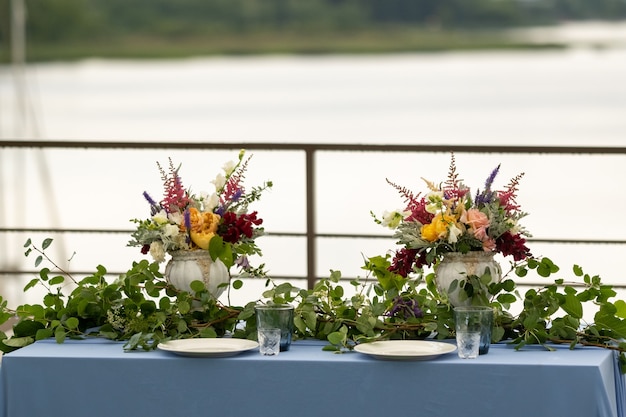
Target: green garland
{"type": "Point", "coordinates": [143, 310]}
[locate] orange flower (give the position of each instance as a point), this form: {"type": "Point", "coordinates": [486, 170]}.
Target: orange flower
{"type": "Point", "coordinates": [438, 228]}
{"type": "Point", "coordinates": [203, 227]}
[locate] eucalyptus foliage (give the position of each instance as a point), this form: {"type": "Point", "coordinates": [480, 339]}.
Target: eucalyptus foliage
{"type": "Point", "coordinates": [142, 309]}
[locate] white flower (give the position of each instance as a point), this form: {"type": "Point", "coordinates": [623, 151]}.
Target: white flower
{"type": "Point", "coordinates": [219, 181]}
{"type": "Point", "coordinates": [170, 230]}
{"type": "Point", "coordinates": [453, 233]}
{"type": "Point", "coordinates": [392, 219]}
{"type": "Point", "coordinates": [435, 202]}
{"type": "Point", "coordinates": [176, 218]}
{"type": "Point", "coordinates": [229, 167]}
{"type": "Point", "coordinates": [115, 316]}
{"type": "Point", "coordinates": [160, 217]}
{"type": "Point", "coordinates": [211, 202]}
{"type": "Point", "coordinates": [157, 251]}
{"type": "Point", "coordinates": [202, 199]}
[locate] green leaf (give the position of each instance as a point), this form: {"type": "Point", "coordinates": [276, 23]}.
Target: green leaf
{"type": "Point", "coordinates": [183, 307]}
{"type": "Point", "coordinates": [284, 288]}
{"type": "Point", "coordinates": [578, 271]}
{"type": "Point", "coordinates": [497, 333]}
{"type": "Point", "coordinates": [310, 318]}
{"type": "Point", "coordinates": [151, 289]}
{"type": "Point", "coordinates": [485, 278]}
{"type": "Point", "coordinates": [222, 250]}
{"type": "Point", "coordinates": [521, 271]}
{"type": "Point", "coordinates": [620, 305]}
{"type": "Point", "coordinates": [59, 334]}
{"type": "Point", "coordinates": [92, 279]}
{"type": "Point", "coordinates": [147, 307]}
{"type": "Point", "coordinates": [337, 292]}
{"type": "Point", "coordinates": [50, 300]}
{"type": "Point", "coordinates": [134, 341]}
{"type": "Point", "coordinates": [38, 261]}
{"type": "Point", "coordinates": [57, 280]}
{"type": "Point", "coordinates": [237, 284]}
{"type": "Point", "coordinates": [573, 306]}
{"type": "Point", "coordinates": [165, 303]}
{"type": "Point", "coordinates": [181, 326]}
{"type": "Point", "coordinates": [613, 323]}
{"type": "Point", "coordinates": [31, 284]}
{"type": "Point", "coordinates": [365, 326]}
{"type": "Point", "coordinates": [208, 332]}
{"type": "Point", "coordinates": [27, 328]}
{"type": "Point", "coordinates": [72, 323]}
{"type": "Point", "coordinates": [46, 243]}
{"type": "Point", "coordinates": [337, 338]}
{"type": "Point", "coordinates": [43, 334]}
{"type": "Point", "coordinates": [508, 285]}
{"type": "Point", "coordinates": [299, 324]}
{"type": "Point", "coordinates": [18, 342]}
{"type": "Point", "coordinates": [331, 348]}
{"type": "Point", "coordinates": [107, 332]}
{"type": "Point", "coordinates": [197, 286]}
{"type": "Point", "coordinates": [530, 322]}
{"type": "Point", "coordinates": [43, 274]}
{"type": "Point", "coordinates": [506, 298]}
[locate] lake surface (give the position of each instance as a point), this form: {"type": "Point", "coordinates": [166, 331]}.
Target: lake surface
{"type": "Point", "coordinates": [570, 97]}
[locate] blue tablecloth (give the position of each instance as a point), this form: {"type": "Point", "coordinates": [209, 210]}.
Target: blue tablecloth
{"type": "Point", "coordinates": [97, 378]}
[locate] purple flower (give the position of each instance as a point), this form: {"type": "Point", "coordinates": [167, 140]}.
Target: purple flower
{"type": "Point", "coordinates": [187, 218]}
{"type": "Point", "coordinates": [237, 195]}
{"type": "Point", "coordinates": [487, 195]}
{"type": "Point", "coordinates": [154, 207]}
{"type": "Point", "coordinates": [405, 308]}
{"type": "Point", "coordinates": [243, 262]}
{"type": "Point", "coordinates": [491, 178]}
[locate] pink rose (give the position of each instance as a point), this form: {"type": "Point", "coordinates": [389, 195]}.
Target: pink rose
{"type": "Point", "coordinates": [478, 223]}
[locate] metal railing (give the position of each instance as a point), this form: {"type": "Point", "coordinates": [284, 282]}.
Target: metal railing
{"type": "Point", "coordinates": [311, 234]}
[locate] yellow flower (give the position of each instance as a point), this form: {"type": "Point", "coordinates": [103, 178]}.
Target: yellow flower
{"type": "Point", "coordinates": [203, 227]}
{"type": "Point", "coordinates": [438, 228]}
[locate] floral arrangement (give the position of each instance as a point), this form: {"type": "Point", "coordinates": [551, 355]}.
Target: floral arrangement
{"type": "Point", "coordinates": [217, 222]}
{"type": "Point", "coordinates": [449, 218]}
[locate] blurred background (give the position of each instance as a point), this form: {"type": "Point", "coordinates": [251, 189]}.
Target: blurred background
{"type": "Point", "coordinates": [417, 73]}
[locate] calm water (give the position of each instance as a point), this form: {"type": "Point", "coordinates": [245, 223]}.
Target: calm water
{"type": "Point", "coordinates": [575, 97]}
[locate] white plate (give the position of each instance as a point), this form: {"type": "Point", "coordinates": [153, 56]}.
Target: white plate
{"type": "Point", "coordinates": [415, 350]}
{"type": "Point", "coordinates": [208, 347]}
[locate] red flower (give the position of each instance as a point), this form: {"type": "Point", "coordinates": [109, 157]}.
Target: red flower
{"type": "Point", "coordinates": [418, 211]}
{"type": "Point", "coordinates": [404, 260]}
{"type": "Point", "coordinates": [514, 245]}
{"type": "Point", "coordinates": [234, 226]}
{"type": "Point", "coordinates": [175, 197]}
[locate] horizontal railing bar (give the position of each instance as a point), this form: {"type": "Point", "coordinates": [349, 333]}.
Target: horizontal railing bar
{"type": "Point", "coordinates": [299, 234]}
{"type": "Point", "coordinates": [317, 147]}
{"type": "Point", "coordinates": [518, 283]}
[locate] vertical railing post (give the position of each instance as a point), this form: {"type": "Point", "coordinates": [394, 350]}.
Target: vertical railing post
{"type": "Point", "coordinates": [311, 231]}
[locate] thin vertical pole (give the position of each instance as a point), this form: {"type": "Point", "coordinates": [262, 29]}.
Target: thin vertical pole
{"type": "Point", "coordinates": [18, 58]}
{"type": "Point", "coordinates": [311, 231]}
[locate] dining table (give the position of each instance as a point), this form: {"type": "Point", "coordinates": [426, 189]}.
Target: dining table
{"type": "Point", "coordinates": [97, 377]}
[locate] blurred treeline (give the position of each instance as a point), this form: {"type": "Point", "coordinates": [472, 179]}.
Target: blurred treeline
{"type": "Point", "coordinates": [100, 22]}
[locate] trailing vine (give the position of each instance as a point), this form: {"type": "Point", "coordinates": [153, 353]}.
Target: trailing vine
{"type": "Point", "coordinates": [141, 309]}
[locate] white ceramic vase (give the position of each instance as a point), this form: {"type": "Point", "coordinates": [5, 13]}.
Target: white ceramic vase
{"type": "Point", "coordinates": [455, 268]}
{"type": "Point", "coordinates": [187, 266]}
